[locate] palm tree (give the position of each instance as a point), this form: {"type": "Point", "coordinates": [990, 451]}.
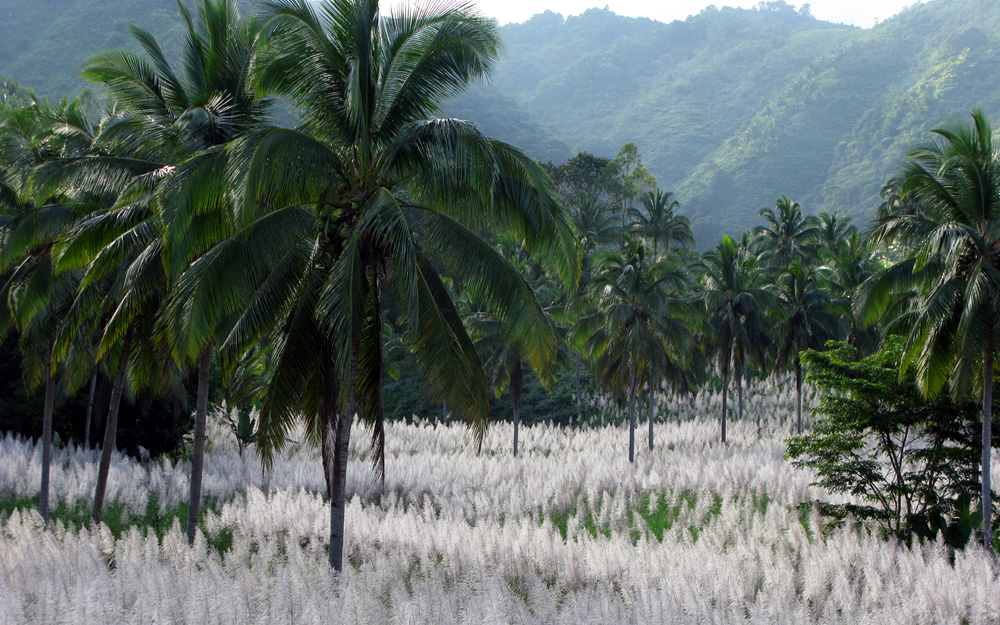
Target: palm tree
{"type": "Point", "coordinates": [788, 235]}
{"type": "Point", "coordinates": [637, 333]}
{"type": "Point", "coordinates": [735, 302]}
{"type": "Point", "coordinates": [950, 242]}
{"type": "Point", "coordinates": [36, 297]}
{"type": "Point", "coordinates": [807, 320]}
{"type": "Point", "coordinates": [337, 222]}
{"type": "Point", "coordinates": [851, 263]}
{"type": "Point", "coordinates": [657, 221]}
{"type": "Point", "coordinates": [175, 121]}
{"type": "Point", "coordinates": [832, 230]}
{"type": "Point", "coordinates": [500, 352]}
{"type": "Point", "coordinates": [597, 227]}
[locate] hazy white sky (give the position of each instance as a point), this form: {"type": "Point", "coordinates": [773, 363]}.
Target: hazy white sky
{"type": "Point", "coordinates": [858, 12]}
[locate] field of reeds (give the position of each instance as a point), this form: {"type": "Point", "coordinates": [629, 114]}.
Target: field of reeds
{"type": "Point", "coordinates": [569, 532]}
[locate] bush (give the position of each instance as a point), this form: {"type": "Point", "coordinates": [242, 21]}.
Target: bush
{"type": "Point", "coordinates": [912, 462]}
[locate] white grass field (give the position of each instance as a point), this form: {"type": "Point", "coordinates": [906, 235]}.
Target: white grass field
{"type": "Point", "coordinates": [569, 532]}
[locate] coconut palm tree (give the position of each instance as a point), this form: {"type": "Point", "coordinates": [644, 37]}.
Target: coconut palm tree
{"type": "Point", "coordinates": [336, 223]}
{"type": "Point", "coordinates": [735, 302]}
{"type": "Point", "coordinates": [36, 297]}
{"type": "Point", "coordinates": [173, 123]}
{"type": "Point", "coordinates": [597, 227]}
{"type": "Point", "coordinates": [638, 331]}
{"type": "Point", "coordinates": [788, 234]}
{"type": "Point", "coordinates": [832, 230]}
{"type": "Point", "coordinates": [807, 319]}
{"type": "Point", "coordinates": [851, 263]}
{"type": "Point", "coordinates": [658, 222]}
{"type": "Point", "coordinates": [950, 243]}
{"type": "Point", "coordinates": [502, 354]}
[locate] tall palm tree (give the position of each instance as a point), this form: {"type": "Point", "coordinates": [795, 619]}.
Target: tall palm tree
{"type": "Point", "coordinates": [36, 297]}
{"type": "Point", "coordinates": [500, 352]}
{"type": "Point", "coordinates": [597, 227]}
{"type": "Point", "coordinates": [174, 122]}
{"type": "Point", "coordinates": [788, 234]}
{"type": "Point", "coordinates": [851, 263]}
{"type": "Point", "coordinates": [657, 221]}
{"type": "Point", "coordinates": [735, 302]}
{"type": "Point", "coordinates": [638, 332]}
{"type": "Point", "coordinates": [337, 221]}
{"type": "Point", "coordinates": [833, 229]}
{"type": "Point", "coordinates": [950, 242]}
{"type": "Point", "coordinates": [807, 319]}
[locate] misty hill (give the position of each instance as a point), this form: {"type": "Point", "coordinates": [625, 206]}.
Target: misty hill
{"type": "Point", "coordinates": [730, 108]}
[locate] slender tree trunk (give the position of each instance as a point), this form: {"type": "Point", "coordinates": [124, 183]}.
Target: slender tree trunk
{"type": "Point", "coordinates": [111, 429]}
{"type": "Point", "coordinates": [987, 446]}
{"type": "Point", "coordinates": [579, 400]}
{"type": "Point", "coordinates": [444, 411]}
{"type": "Point", "coordinates": [90, 409]}
{"type": "Point", "coordinates": [631, 420]}
{"type": "Point", "coordinates": [798, 393]}
{"type": "Point", "coordinates": [516, 384]}
{"type": "Point", "coordinates": [650, 417]}
{"type": "Point", "coordinates": [340, 442]}
{"type": "Point", "coordinates": [50, 393]}
{"type": "Point", "coordinates": [725, 400]}
{"type": "Point", "coordinates": [198, 453]}
{"type": "Point", "coordinates": [336, 443]}
{"type": "Point", "coordinates": [739, 388]}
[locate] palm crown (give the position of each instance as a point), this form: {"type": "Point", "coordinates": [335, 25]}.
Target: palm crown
{"type": "Point", "coordinates": [357, 208]}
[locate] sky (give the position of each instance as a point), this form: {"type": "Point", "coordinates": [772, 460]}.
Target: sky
{"type": "Point", "coordinates": [863, 13]}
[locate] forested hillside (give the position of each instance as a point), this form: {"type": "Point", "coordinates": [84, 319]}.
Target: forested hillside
{"type": "Point", "coordinates": [730, 108]}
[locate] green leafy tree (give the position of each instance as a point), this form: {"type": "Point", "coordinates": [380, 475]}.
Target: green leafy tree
{"type": "Point", "coordinates": [950, 270]}
{"type": "Point", "coordinates": [832, 230]}
{"type": "Point", "coordinates": [337, 222]}
{"type": "Point", "coordinates": [851, 263]}
{"type": "Point", "coordinates": [911, 461]}
{"type": "Point", "coordinates": [627, 178]}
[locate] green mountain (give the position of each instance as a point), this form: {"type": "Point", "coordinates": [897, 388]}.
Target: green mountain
{"type": "Point", "coordinates": [730, 108]}
{"type": "Point", "coordinates": [43, 43]}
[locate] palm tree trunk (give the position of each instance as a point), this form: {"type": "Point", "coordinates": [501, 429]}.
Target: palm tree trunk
{"type": "Point", "coordinates": [336, 443]}
{"type": "Point", "coordinates": [650, 417]}
{"type": "Point", "coordinates": [198, 453]}
{"type": "Point", "coordinates": [111, 429]}
{"type": "Point", "coordinates": [725, 400]}
{"type": "Point", "coordinates": [50, 393]}
{"type": "Point", "coordinates": [579, 400]}
{"type": "Point", "coordinates": [798, 393]}
{"type": "Point", "coordinates": [631, 420]}
{"type": "Point", "coordinates": [987, 446]}
{"type": "Point", "coordinates": [90, 409]}
{"type": "Point", "coordinates": [739, 387]}
{"type": "Point", "coordinates": [516, 383]}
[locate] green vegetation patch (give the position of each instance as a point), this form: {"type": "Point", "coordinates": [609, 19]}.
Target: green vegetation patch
{"type": "Point", "coordinates": [119, 520]}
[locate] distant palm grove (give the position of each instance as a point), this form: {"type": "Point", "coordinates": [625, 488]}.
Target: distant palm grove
{"type": "Point", "coordinates": [175, 247]}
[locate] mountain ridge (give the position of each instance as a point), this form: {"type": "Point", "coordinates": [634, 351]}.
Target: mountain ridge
{"type": "Point", "coordinates": [730, 107]}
